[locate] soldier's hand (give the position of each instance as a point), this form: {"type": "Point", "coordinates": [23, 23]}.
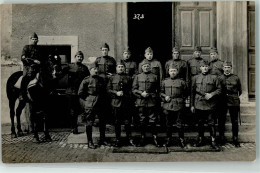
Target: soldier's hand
{"type": "Point", "coordinates": [119, 93]}
{"type": "Point", "coordinates": [192, 109]}
{"type": "Point", "coordinates": [23, 57]}
{"type": "Point", "coordinates": [208, 96]}
{"type": "Point", "coordinates": [167, 98]}
{"type": "Point", "coordinates": [144, 94]}
{"type": "Point", "coordinates": [36, 61]}
{"type": "Point", "coordinates": [109, 74]}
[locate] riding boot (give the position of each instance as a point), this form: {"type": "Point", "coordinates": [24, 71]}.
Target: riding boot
{"type": "Point", "coordinates": [36, 138]}
{"type": "Point", "coordinates": [23, 89]}
{"type": "Point", "coordinates": [89, 137]}
{"type": "Point", "coordinates": [235, 141]}
{"type": "Point", "coordinates": [169, 137]}
{"type": "Point", "coordinates": [201, 135]}
{"type": "Point", "coordinates": [47, 136]}
{"type": "Point", "coordinates": [118, 134]}
{"type": "Point", "coordinates": [102, 130]}
{"type": "Point", "coordinates": [154, 133]}
{"type": "Point", "coordinates": [128, 135]}
{"type": "Point", "coordinates": [181, 138]}
{"type": "Point", "coordinates": [212, 132]}
{"type": "Point", "coordinates": [142, 140]}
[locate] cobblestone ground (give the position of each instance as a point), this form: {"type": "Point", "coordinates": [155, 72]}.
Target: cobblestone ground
{"type": "Point", "coordinates": [23, 150]}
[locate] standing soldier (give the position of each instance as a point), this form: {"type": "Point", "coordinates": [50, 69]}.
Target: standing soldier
{"type": "Point", "coordinates": [76, 73]}
{"type": "Point", "coordinates": [156, 67]}
{"type": "Point", "coordinates": [176, 60]}
{"type": "Point", "coordinates": [145, 87]}
{"type": "Point", "coordinates": [91, 93]}
{"type": "Point", "coordinates": [130, 66]}
{"type": "Point", "coordinates": [232, 91]}
{"type": "Point", "coordinates": [119, 87]}
{"type": "Point", "coordinates": [30, 55]}
{"type": "Point", "coordinates": [173, 94]}
{"type": "Point", "coordinates": [194, 65]}
{"type": "Point", "coordinates": [106, 68]}
{"type": "Point", "coordinates": [216, 68]}
{"type": "Point", "coordinates": [205, 88]}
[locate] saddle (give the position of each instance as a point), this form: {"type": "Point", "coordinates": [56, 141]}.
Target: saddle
{"type": "Point", "coordinates": [31, 84]}
{"type": "Point", "coordinates": [18, 83]}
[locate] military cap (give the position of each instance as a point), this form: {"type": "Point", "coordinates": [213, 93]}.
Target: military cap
{"type": "Point", "coordinates": [145, 61]}
{"type": "Point", "coordinates": [213, 49]}
{"type": "Point", "coordinates": [34, 35]}
{"type": "Point", "coordinates": [197, 48]}
{"type": "Point", "coordinates": [104, 45]}
{"type": "Point", "coordinates": [79, 53]}
{"type": "Point", "coordinates": [227, 63]}
{"type": "Point", "coordinates": [204, 62]}
{"type": "Point", "coordinates": [126, 50]}
{"type": "Point", "coordinates": [120, 62]}
{"type": "Point", "coordinates": [175, 49]}
{"type": "Point", "coordinates": [149, 49]}
{"type": "Point", "coordinates": [174, 66]}
{"type": "Point", "coordinates": [91, 65]}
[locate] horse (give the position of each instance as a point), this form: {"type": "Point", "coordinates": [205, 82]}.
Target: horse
{"type": "Point", "coordinates": [38, 91]}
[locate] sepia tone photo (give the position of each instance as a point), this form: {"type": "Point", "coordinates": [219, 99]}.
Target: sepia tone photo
{"type": "Point", "coordinates": [128, 82]}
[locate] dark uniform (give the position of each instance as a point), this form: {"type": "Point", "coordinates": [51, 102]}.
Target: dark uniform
{"type": "Point", "coordinates": [176, 89]}
{"type": "Point", "coordinates": [120, 104]}
{"type": "Point", "coordinates": [76, 73]}
{"type": "Point", "coordinates": [91, 93]}
{"type": "Point", "coordinates": [146, 106]}
{"type": "Point", "coordinates": [106, 67]}
{"type": "Point", "coordinates": [130, 68]}
{"type": "Point", "coordinates": [232, 92]}
{"type": "Point", "coordinates": [193, 66]}
{"type": "Point", "coordinates": [202, 84]}
{"type": "Point", "coordinates": [181, 64]}
{"type": "Point", "coordinates": [216, 68]}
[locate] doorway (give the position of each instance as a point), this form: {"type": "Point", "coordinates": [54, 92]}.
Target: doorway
{"type": "Point", "coordinates": [150, 25]}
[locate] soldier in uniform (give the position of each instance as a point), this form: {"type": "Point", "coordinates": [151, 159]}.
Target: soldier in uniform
{"type": "Point", "coordinates": [76, 73]}
{"type": "Point", "coordinates": [177, 61]}
{"type": "Point", "coordinates": [146, 87]}
{"type": "Point", "coordinates": [130, 66]}
{"type": "Point", "coordinates": [205, 88]}
{"type": "Point", "coordinates": [119, 88]}
{"type": "Point", "coordinates": [193, 65]}
{"type": "Point", "coordinates": [173, 94]}
{"type": "Point", "coordinates": [216, 68]}
{"type": "Point", "coordinates": [156, 67]}
{"type": "Point", "coordinates": [91, 93]}
{"type": "Point", "coordinates": [30, 55]}
{"type": "Point", "coordinates": [106, 68]}
{"type": "Point", "coordinates": [232, 92]}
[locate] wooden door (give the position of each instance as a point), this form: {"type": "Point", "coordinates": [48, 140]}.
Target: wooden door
{"type": "Point", "coordinates": [195, 25]}
{"type": "Point", "coordinates": [251, 48]}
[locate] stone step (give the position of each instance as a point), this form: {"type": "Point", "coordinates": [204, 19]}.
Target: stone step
{"type": "Point", "coordinates": [245, 118]}
{"type": "Point", "coordinates": [245, 127]}
{"type": "Point", "coordinates": [189, 137]}
{"type": "Point", "coordinates": [249, 108]}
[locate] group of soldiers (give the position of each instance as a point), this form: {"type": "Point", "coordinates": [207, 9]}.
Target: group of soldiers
{"type": "Point", "coordinates": [120, 89]}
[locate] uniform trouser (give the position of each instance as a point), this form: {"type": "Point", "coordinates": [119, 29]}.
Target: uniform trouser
{"type": "Point", "coordinates": [205, 116]}
{"type": "Point", "coordinates": [220, 115]}
{"type": "Point", "coordinates": [171, 118]}
{"type": "Point", "coordinates": [147, 115]}
{"type": "Point", "coordinates": [233, 111]}
{"type": "Point", "coordinates": [74, 107]}
{"type": "Point", "coordinates": [89, 117]}
{"type": "Point", "coordinates": [122, 116]}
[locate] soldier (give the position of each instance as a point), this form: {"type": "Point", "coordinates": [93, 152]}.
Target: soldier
{"type": "Point", "coordinates": [177, 61]}
{"type": "Point", "coordinates": [119, 87]}
{"type": "Point", "coordinates": [76, 73]}
{"type": "Point", "coordinates": [30, 55]}
{"type": "Point", "coordinates": [131, 67]}
{"type": "Point", "coordinates": [106, 68]}
{"type": "Point", "coordinates": [156, 67]}
{"type": "Point", "coordinates": [193, 65]}
{"type": "Point", "coordinates": [145, 87]}
{"type": "Point", "coordinates": [216, 68]}
{"type": "Point", "coordinates": [173, 94]}
{"type": "Point", "coordinates": [205, 88]}
{"type": "Point", "coordinates": [232, 91]}
{"type": "Point", "coordinates": [91, 93]}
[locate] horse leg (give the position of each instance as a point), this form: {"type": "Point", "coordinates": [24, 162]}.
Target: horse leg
{"type": "Point", "coordinates": [46, 129]}
{"type": "Point", "coordinates": [19, 109]}
{"type": "Point", "coordinates": [12, 114]}
{"type": "Point", "coordinates": [34, 121]}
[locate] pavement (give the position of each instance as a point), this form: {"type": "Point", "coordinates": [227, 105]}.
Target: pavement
{"type": "Point", "coordinates": [23, 150]}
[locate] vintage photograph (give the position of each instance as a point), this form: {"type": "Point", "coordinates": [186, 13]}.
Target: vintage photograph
{"type": "Point", "coordinates": [128, 82]}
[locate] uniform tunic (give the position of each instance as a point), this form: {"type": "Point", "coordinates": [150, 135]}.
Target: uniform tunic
{"type": "Point", "coordinates": [91, 93]}
{"type": "Point", "coordinates": [105, 65]}
{"type": "Point", "coordinates": [216, 67]}
{"type": "Point", "coordinates": [156, 68]}
{"type": "Point", "coordinates": [193, 67]}
{"type": "Point", "coordinates": [179, 63]}
{"type": "Point", "coordinates": [130, 68]}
